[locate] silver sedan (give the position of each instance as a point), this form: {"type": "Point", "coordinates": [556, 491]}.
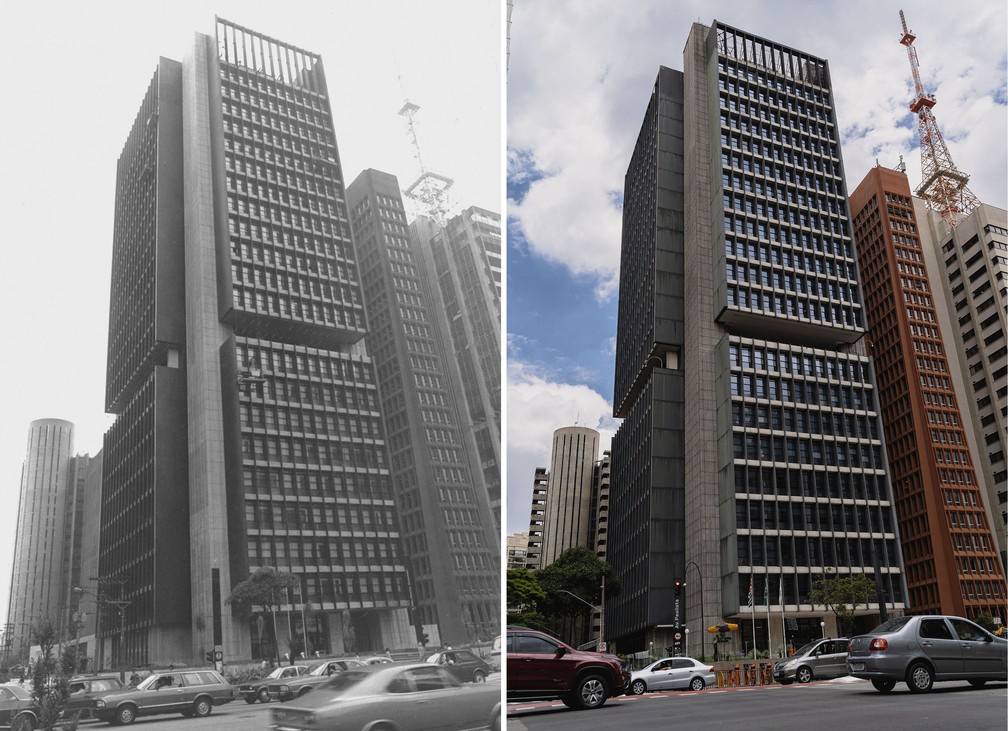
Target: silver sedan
{"type": "Point", "coordinates": [920, 650]}
{"type": "Point", "coordinates": [673, 673]}
{"type": "Point", "coordinates": [417, 696]}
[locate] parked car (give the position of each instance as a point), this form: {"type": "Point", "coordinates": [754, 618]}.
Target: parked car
{"type": "Point", "coordinates": [377, 660]}
{"type": "Point", "coordinates": [189, 692]}
{"type": "Point", "coordinates": [463, 664]}
{"type": "Point", "coordinates": [258, 690]}
{"type": "Point", "coordinates": [495, 654]}
{"type": "Point", "coordinates": [286, 689]}
{"type": "Point", "coordinates": [921, 650]}
{"type": "Point", "coordinates": [16, 707]}
{"type": "Point", "coordinates": [417, 696]}
{"type": "Point", "coordinates": [818, 660]}
{"type": "Point", "coordinates": [673, 673]}
{"type": "Point", "coordinates": [85, 689]}
{"type": "Point", "coordinates": [540, 666]}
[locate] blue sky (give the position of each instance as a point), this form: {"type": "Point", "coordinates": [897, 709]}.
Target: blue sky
{"type": "Point", "coordinates": [579, 79]}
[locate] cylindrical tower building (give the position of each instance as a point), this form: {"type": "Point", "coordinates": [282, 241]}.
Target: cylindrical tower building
{"type": "Point", "coordinates": [569, 491]}
{"type": "Point", "coordinates": [37, 580]}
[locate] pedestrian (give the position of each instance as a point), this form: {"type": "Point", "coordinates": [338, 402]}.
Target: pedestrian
{"type": "Point", "coordinates": [264, 664]}
{"type": "Point", "coordinates": [419, 650]}
{"type": "Point", "coordinates": [388, 653]}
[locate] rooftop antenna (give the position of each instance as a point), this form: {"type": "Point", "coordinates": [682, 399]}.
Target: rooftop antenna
{"type": "Point", "coordinates": [943, 186]}
{"type": "Point", "coordinates": [429, 190]}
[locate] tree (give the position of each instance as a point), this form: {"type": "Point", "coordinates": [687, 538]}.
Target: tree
{"type": "Point", "coordinates": [50, 679]}
{"type": "Point", "coordinates": [986, 620]}
{"type": "Point", "coordinates": [580, 572]}
{"type": "Point", "coordinates": [266, 588]}
{"type": "Point", "coordinates": [524, 597]}
{"type": "Point", "coordinates": [841, 594]}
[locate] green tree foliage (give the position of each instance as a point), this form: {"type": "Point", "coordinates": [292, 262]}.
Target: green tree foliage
{"type": "Point", "coordinates": [842, 594]}
{"type": "Point", "coordinates": [986, 620]}
{"type": "Point", "coordinates": [524, 597]}
{"type": "Point", "coordinates": [50, 678]}
{"type": "Point", "coordinates": [266, 588]}
{"type": "Point", "coordinates": [581, 572]}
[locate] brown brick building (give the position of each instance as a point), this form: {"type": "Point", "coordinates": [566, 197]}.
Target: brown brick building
{"type": "Point", "coordinates": [949, 551]}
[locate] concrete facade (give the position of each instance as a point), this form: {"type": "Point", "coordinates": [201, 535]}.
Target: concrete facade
{"type": "Point", "coordinates": [247, 402]}
{"type": "Point", "coordinates": [449, 532]}
{"type": "Point", "coordinates": [746, 494]}
{"type": "Point", "coordinates": [45, 503]}
{"type": "Point", "coordinates": [971, 264]}
{"type": "Point", "coordinates": [568, 520]}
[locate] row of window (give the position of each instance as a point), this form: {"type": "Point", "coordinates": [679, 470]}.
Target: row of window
{"type": "Point", "coordinates": [786, 515]}
{"type": "Point", "coordinates": [741, 248]}
{"type": "Point", "coordinates": [812, 551]}
{"type": "Point", "coordinates": [315, 484]}
{"type": "Point", "coordinates": [760, 447]}
{"type": "Point", "coordinates": [744, 298]}
{"type": "Point", "coordinates": [803, 420]}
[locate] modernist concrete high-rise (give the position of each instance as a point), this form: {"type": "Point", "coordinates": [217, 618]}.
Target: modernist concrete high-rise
{"type": "Point", "coordinates": [448, 529]}
{"type": "Point", "coordinates": [516, 546]}
{"type": "Point", "coordinates": [537, 519]}
{"type": "Point", "coordinates": [971, 264]}
{"type": "Point", "coordinates": [462, 261]}
{"type": "Point", "coordinates": [247, 404]}
{"type": "Point", "coordinates": [39, 577]}
{"type": "Point", "coordinates": [569, 506]}
{"type": "Point", "coordinates": [751, 451]}
{"type": "Point", "coordinates": [951, 560]}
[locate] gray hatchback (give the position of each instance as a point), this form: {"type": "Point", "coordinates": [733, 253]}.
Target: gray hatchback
{"type": "Point", "coordinates": [818, 660]}
{"type": "Point", "coordinates": [920, 650]}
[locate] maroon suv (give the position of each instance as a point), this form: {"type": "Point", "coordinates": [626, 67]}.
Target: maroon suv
{"type": "Point", "coordinates": [541, 667]}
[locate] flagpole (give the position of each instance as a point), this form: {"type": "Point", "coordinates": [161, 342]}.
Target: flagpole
{"type": "Point", "coordinates": [752, 615]}
{"type": "Point", "coordinates": [783, 619]}
{"type": "Point", "coordinates": [766, 591]}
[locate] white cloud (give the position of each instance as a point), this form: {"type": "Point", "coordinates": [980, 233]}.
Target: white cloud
{"type": "Point", "coordinates": [538, 405]}
{"type": "Point", "coordinates": [580, 77]}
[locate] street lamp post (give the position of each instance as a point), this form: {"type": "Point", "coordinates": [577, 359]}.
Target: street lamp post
{"type": "Point", "coordinates": [120, 605]}
{"type": "Point", "coordinates": [600, 610]}
{"type": "Point", "coordinates": [703, 642]}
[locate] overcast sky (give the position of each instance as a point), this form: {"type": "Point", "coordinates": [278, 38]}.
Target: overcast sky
{"type": "Point", "coordinates": [580, 77]}
{"type": "Point", "coordinates": [75, 75]}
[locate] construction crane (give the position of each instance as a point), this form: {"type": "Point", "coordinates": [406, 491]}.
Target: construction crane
{"type": "Point", "coordinates": [429, 190]}
{"type": "Point", "coordinates": [943, 186]}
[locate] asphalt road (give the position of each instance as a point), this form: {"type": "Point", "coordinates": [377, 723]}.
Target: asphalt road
{"type": "Point", "coordinates": [231, 716]}
{"type": "Point", "coordinates": [847, 705]}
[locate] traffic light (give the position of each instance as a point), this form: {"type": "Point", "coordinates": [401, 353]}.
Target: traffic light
{"type": "Point", "coordinates": [218, 656]}
{"type": "Point", "coordinates": [209, 655]}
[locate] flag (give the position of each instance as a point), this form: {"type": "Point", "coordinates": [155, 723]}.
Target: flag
{"type": "Point", "coordinates": [750, 591]}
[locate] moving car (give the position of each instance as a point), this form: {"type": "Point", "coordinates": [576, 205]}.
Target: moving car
{"type": "Point", "coordinates": [921, 650]}
{"type": "Point", "coordinates": [258, 690]}
{"type": "Point", "coordinates": [84, 690]}
{"type": "Point", "coordinates": [285, 689]}
{"type": "Point", "coordinates": [463, 664]}
{"type": "Point", "coordinates": [189, 692]}
{"type": "Point", "coordinates": [673, 673]}
{"type": "Point", "coordinates": [540, 666]}
{"type": "Point", "coordinates": [415, 696]}
{"type": "Point", "coordinates": [16, 707]}
{"type": "Point", "coordinates": [818, 660]}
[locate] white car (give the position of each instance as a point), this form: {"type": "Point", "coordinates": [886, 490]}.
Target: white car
{"type": "Point", "coordinates": [673, 673]}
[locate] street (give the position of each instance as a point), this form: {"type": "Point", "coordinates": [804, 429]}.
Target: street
{"type": "Point", "coordinates": [845, 704]}
{"type": "Point", "coordinates": [235, 715]}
